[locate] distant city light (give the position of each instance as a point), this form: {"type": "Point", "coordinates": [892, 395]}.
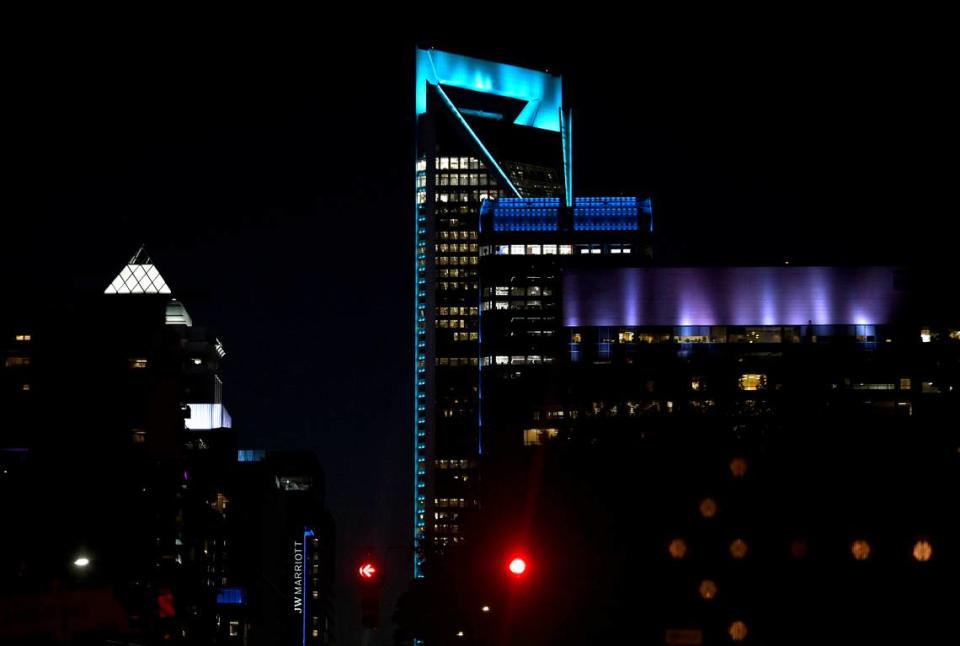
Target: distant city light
{"type": "Point", "coordinates": [738, 548]}
{"type": "Point", "coordinates": [860, 550]}
{"type": "Point", "coordinates": [678, 548]}
{"type": "Point", "coordinates": [82, 561]}
{"type": "Point", "coordinates": [708, 589]}
{"type": "Point", "coordinates": [922, 551]}
{"type": "Point", "coordinates": [708, 508]}
{"type": "Point", "coordinates": [738, 631]}
{"type": "Point", "coordinates": [738, 467]}
{"type": "Point", "coordinates": [485, 609]}
{"type": "Point", "coordinates": [518, 566]}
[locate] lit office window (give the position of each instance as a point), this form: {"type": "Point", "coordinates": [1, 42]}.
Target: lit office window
{"type": "Point", "coordinates": [925, 336]}
{"type": "Point", "coordinates": [566, 250]}
{"type": "Point", "coordinates": [516, 250]}
{"type": "Point", "coordinates": [234, 628]}
{"type": "Point", "coordinates": [549, 250]}
{"type": "Point", "coordinates": [23, 337]}
{"type": "Point", "coordinates": [536, 436]}
{"type": "Point", "coordinates": [16, 362]}
{"type": "Point", "coordinates": [905, 383]}
{"type": "Point", "coordinates": [138, 364]}
{"type": "Point", "coordinates": [533, 249]}
{"type": "Point", "coordinates": [139, 436]}
{"type": "Point", "coordinates": [753, 382]}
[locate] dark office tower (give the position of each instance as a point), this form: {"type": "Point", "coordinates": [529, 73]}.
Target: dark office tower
{"type": "Point", "coordinates": [279, 545]}
{"type": "Point", "coordinates": [526, 246]}
{"type": "Point", "coordinates": [106, 397]}
{"type": "Point", "coordinates": [484, 130]}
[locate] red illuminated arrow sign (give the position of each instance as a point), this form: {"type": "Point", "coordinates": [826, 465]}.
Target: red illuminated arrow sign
{"type": "Point", "coordinates": [367, 570]}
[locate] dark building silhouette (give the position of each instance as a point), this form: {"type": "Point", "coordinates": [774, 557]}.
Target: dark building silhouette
{"type": "Point", "coordinates": [120, 466]}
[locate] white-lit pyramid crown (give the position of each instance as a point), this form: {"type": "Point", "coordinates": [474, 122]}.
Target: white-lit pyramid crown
{"type": "Point", "coordinates": [139, 276]}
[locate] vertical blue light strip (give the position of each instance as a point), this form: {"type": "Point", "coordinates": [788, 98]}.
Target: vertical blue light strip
{"type": "Point", "coordinates": [566, 137]}
{"type": "Point", "coordinates": [418, 306]}
{"type": "Point", "coordinates": [479, 369]}
{"type": "Point", "coordinates": [307, 532]}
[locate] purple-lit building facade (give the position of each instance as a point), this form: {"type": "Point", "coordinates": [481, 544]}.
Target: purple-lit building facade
{"type": "Point", "coordinates": [706, 454]}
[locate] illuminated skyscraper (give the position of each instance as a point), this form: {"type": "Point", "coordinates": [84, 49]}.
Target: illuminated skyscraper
{"type": "Point", "coordinates": [484, 130]}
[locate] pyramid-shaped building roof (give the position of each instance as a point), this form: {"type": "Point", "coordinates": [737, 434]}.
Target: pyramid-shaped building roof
{"type": "Point", "coordinates": [139, 276]}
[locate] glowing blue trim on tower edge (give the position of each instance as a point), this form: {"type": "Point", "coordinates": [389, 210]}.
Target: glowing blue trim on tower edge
{"type": "Point", "coordinates": [566, 134]}
{"type": "Point", "coordinates": [543, 92]}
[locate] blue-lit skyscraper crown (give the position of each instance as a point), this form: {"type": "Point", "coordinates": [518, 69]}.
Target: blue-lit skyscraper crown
{"type": "Point", "coordinates": [542, 92]}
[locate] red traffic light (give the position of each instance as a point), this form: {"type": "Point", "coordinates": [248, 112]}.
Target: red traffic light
{"type": "Point", "coordinates": [517, 566]}
{"type": "Point", "coordinates": [367, 571]}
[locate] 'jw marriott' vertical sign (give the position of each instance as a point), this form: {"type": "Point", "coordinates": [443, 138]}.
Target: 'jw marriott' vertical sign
{"type": "Point", "coordinates": [298, 577]}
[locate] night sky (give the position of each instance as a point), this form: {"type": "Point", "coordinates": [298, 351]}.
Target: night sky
{"type": "Point", "coordinates": [268, 168]}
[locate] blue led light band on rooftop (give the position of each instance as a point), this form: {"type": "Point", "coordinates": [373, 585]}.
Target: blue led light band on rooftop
{"type": "Point", "coordinates": [589, 213]}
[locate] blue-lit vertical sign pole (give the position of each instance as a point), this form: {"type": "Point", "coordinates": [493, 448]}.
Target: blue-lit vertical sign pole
{"type": "Point", "coordinates": [307, 533]}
